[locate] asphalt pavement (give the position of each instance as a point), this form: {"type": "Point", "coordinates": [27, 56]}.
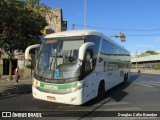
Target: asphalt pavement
{"type": "Point", "coordinates": [10, 88]}
{"type": "Point", "coordinates": [141, 94]}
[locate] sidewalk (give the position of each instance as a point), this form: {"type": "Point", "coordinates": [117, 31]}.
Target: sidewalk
{"type": "Point", "coordinates": [9, 88]}
{"type": "Point", "coordinates": [146, 71]}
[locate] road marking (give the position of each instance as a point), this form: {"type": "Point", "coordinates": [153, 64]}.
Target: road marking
{"type": "Point", "coordinates": [149, 83]}
{"type": "Point", "coordinates": [115, 103]}
{"type": "Point", "coordinates": [154, 82]}
{"type": "Point", "coordinates": [143, 84]}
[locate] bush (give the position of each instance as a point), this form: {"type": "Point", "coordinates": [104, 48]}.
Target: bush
{"type": "Point", "coordinates": [157, 66]}
{"type": "Point", "coordinates": [25, 72]}
{"type": "Point", "coordinates": [28, 66]}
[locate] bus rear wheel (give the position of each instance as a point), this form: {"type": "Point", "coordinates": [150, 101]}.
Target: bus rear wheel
{"type": "Point", "coordinates": [125, 78]}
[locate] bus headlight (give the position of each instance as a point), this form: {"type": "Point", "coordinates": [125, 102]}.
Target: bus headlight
{"type": "Point", "coordinates": [75, 88]}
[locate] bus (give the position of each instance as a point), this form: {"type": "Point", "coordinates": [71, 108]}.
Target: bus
{"type": "Point", "coordinates": [76, 66]}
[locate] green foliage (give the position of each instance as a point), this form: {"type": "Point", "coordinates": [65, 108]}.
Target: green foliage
{"type": "Point", "coordinates": [28, 66]}
{"type": "Point", "coordinates": [157, 66]}
{"type": "Point", "coordinates": [151, 52]}
{"type": "Point", "coordinates": [32, 2]}
{"type": "Point", "coordinates": [25, 72]}
{"type": "Point", "coordinates": [20, 25]}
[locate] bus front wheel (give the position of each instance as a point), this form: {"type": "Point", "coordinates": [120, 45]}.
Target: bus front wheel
{"type": "Point", "coordinates": [101, 91]}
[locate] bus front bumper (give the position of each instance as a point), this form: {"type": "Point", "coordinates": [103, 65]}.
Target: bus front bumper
{"type": "Point", "coordinates": [73, 98]}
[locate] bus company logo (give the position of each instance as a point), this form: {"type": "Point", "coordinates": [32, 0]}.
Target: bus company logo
{"type": "Point", "coordinates": [51, 87]}
{"type": "Point", "coordinates": [6, 114]}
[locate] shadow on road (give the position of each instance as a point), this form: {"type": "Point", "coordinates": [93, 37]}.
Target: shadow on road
{"type": "Point", "coordinates": [15, 90]}
{"type": "Point", "coordinates": [117, 93]}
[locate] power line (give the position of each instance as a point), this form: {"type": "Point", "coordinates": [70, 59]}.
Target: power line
{"type": "Point", "coordinates": [145, 35]}
{"type": "Point", "coordinates": [125, 30]}
{"type": "Point", "coordinates": [156, 29]}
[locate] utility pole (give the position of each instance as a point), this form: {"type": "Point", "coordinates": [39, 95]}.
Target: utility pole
{"type": "Point", "coordinates": [136, 59]}
{"type": "Point", "coordinates": [84, 14]}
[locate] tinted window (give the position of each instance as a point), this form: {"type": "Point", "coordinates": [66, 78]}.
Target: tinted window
{"type": "Point", "coordinates": [96, 40]}
{"type": "Point", "coordinates": [105, 49]}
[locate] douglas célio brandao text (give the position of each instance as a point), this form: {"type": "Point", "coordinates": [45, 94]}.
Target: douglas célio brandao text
{"type": "Point", "coordinates": [134, 114]}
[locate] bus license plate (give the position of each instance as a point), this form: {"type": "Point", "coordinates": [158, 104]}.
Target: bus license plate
{"type": "Point", "coordinates": [51, 98]}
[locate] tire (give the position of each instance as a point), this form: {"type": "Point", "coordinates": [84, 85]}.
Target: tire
{"type": "Point", "coordinates": [101, 91]}
{"type": "Point", "coordinates": [125, 78]}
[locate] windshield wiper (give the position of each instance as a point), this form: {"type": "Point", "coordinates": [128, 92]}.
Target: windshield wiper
{"type": "Point", "coordinates": [61, 74]}
{"type": "Point", "coordinates": [43, 73]}
{"type": "Point", "coordinates": [55, 57]}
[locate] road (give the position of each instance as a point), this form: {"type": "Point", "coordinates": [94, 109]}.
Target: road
{"type": "Point", "coordinates": [141, 93]}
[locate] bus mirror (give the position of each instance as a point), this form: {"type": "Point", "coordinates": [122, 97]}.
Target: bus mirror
{"type": "Point", "coordinates": [83, 49]}
{"type": "Point", "coordinates": [27, 55]}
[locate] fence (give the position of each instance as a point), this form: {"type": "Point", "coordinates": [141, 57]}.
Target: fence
{"type": "Point", "coordinates": [155, 65]}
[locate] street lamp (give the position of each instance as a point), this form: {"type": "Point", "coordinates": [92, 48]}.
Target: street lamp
{"type": "Point", "coordinates": [136, 59]}
{"type": "Point", "coordinates": [84, 14]}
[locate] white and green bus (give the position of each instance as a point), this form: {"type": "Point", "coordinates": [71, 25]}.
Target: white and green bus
{"type": "Point", "coordinates": [74, 67]}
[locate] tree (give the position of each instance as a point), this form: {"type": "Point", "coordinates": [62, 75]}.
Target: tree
{"type": "Point", "coordinates": [157, 66]}
{"type": "Point", "coordinates": [151, 52]}
{"type": "Point", "coordinates": [20, 26]}
{"type": "Point", "coordinates": [32, 2]}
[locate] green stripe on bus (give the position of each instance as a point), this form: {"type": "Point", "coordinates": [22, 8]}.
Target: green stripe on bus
{"type": "Point", "coordinates": [59, 86]}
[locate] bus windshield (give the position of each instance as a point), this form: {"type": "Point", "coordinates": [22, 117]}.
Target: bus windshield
{"type": "Point", "coordinates": [58, 58]}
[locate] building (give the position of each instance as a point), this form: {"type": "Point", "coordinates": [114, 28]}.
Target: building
{"type": "Point", "coordinates": [55, 22]}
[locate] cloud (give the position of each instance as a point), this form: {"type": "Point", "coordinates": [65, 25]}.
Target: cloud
{"type": "Point", "coordinates": [158, 51]}
{"type": "Point", "coordinates": [157, 39]}
{"type": "Point", "coordinates": [134, 54]}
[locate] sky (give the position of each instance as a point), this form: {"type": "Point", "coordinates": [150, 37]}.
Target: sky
{"type": "Point", "coordinates": [140, 19]}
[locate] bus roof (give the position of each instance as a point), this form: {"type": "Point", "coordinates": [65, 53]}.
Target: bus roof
{"type": "Point", "coordinates": [81, 33]}
{"type": "Point", "coordinates": [73, 33]}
